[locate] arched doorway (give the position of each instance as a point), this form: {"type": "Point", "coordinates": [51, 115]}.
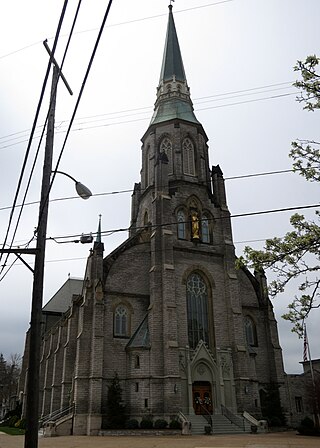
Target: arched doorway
{"type": "Point", "coordinates": [202, 397]}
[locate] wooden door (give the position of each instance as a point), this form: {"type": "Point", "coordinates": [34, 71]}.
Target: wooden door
{"type": "Point", "coordinates": [202, 398]}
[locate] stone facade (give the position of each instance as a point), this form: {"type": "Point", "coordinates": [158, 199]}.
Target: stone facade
{"type": "Point", "coordinates": [304, 393]}
{"type": "Point", "coordinates": [166, 311]}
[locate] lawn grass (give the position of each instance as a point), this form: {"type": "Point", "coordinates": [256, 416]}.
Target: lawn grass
{"type": "Point", "coordinates": [12, 431]}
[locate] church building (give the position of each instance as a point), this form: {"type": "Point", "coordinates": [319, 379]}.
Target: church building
{"type": "Point", "coordinates": [167, 311]}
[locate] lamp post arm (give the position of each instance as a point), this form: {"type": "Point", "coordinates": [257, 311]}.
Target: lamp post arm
{"type": "Point", "coordinates": [81, 189]}
{"type": "Point", "coordinates": [65, 174]}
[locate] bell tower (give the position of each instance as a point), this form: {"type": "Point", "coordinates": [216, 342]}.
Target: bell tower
{"type": "Point", "coordinates": [175, 132]}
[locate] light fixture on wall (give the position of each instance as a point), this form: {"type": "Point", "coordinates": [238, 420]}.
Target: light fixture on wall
{"type": "Point", "coordinates": [175, 388]}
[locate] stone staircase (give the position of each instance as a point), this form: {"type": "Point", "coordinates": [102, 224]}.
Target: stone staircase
{"type": "Point", "coordinates": [220, 425]}
{"type": "Point", "coordinates": [198, 422]}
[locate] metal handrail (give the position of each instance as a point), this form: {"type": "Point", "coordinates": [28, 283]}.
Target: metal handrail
{"type": "Point", "coordinates": [207, 415]}
{"type": "Point", "coordinates": [54, 416]}
{"type": "Point", "coordinates": [235, 419]}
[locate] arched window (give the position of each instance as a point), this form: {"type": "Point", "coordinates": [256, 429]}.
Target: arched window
{"type": "Point", "coordinates": [181, 217]}
{"type": "Point", "coordinates": [205, 231]}
{"type": "Point", "coordinates": [166, 147]}
{"type": "Point", "coordinates": [121, 321]}
{"type": "Point", "coordinates": [197, 308]}
{"type": "Point", "coordinates": [188, 157]}
{"type": "Point", "coordinates": [251, 332]}
{"type": "Point", "coordinates": [145, 218]}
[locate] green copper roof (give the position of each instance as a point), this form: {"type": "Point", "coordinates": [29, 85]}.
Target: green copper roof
{"type": "Point", "coordinates": [141, 337]}
{"type": "Point", "coordinates": [172, 61]}
{"type": "Point", "coordinates": [173, 95]}
{"type": "Point", "coordinates": [174, 108]}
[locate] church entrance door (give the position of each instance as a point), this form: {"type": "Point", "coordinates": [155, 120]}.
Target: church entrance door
{"type": "Point", "coordinates": [202, 397]}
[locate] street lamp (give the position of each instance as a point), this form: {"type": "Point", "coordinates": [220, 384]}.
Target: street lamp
{"type": "Point", "coordinates": [81, 189]}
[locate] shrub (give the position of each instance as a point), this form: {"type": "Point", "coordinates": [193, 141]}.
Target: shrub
{"type": "Point", "coordinates": [307, 422]}
{"type": "Point", "coordinates": [275, 421]}
{"type": "Point", "coordinates": [116, 412]}
{"type": "Point", "coordinates": [175, 424]}
{"type": "Point", "coordinates": [160, 424]}
{"type": "Point", "coordinates": [146, 423]}
{"type": "Point", "coordinates": [307, 428]}
{"type": "Point", "coordinates": [132, 424]}
{"type": "Point", "coordinates": [13, 420]}
{"type": "Point", "coordinates": [22, 423]}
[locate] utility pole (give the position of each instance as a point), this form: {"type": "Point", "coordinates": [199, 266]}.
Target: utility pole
{"type": "Point", "coordinates": [33, 374]}
{"type": "Point", "coordinates": [32, 408]}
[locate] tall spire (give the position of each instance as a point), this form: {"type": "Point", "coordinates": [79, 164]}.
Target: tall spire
{"type": "Point", "coordinates": [172, 64]}
{"type": "Point", "coordinates": [98, 239]}
{"type": "Point", "coordinates": [173, 94]}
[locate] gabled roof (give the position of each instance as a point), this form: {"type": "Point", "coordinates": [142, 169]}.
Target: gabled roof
{"type": "Point", "coordinates": [62, 299]}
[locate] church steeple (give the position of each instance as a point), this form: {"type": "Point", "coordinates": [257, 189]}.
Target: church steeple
{"type": "Point", "coordinates": [98, 238]}
{"type": "Point", "coordinates": [172, 64]}
{"type": "Point", "coordinates": [173, 94]}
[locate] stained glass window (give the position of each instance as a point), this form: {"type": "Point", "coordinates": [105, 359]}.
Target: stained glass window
{"type": "Point", "coordinates": [197, 308]}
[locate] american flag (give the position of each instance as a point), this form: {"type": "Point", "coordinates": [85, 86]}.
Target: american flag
{"type": "Point", "coordinates": [305, 344]}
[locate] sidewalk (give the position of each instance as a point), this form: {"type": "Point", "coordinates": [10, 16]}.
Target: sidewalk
{"type": "Point", "coordinates": [273, 440]}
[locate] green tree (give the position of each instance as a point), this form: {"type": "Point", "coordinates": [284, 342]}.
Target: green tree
{"type": "Point", "coordinates": [297, 254]}
{"type": "Point", "coordinates": [116, 412]}
{"type": "Point", "coordinates": [9, 376]}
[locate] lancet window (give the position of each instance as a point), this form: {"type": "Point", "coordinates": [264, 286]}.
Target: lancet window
{"type": "Point", "coordinates": [205, 231]}
{"type": "Point", "coordinates": [197, 309]}
{"type": "Point", "coordinates": [188, 157]}
{"type": "Point", "coordinates": [251, 332]}
{"type": "Point", "coordinates": [166, 147]}
{"type": "Point", "coordinates": [181, 225]}
{"type": "Point", "coordinates": [121, 321]}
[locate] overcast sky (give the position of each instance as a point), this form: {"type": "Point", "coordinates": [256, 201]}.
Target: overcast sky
{"type": "Point", "coordinates": [238, 57]}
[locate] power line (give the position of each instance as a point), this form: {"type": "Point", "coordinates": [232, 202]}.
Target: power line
{"type": "Point", "coordinates": [130, 190]}
{"type": "Point", "coordinates": [51, 60]}
{"type": "Point", "coordinates": [33, 130]}
{"type": "Point", "coordinates": [59, 260]}
{"type": "Point", "coordinates": [148, 118]}
{"type": "Point", "coordinates": [155, 226]}
{"type": "Point", "coordinates": [120, 24]}
{"type": "Point", "coordinates": [152, 227]}
{"type": "Point", "coordinates": [148, 109]}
